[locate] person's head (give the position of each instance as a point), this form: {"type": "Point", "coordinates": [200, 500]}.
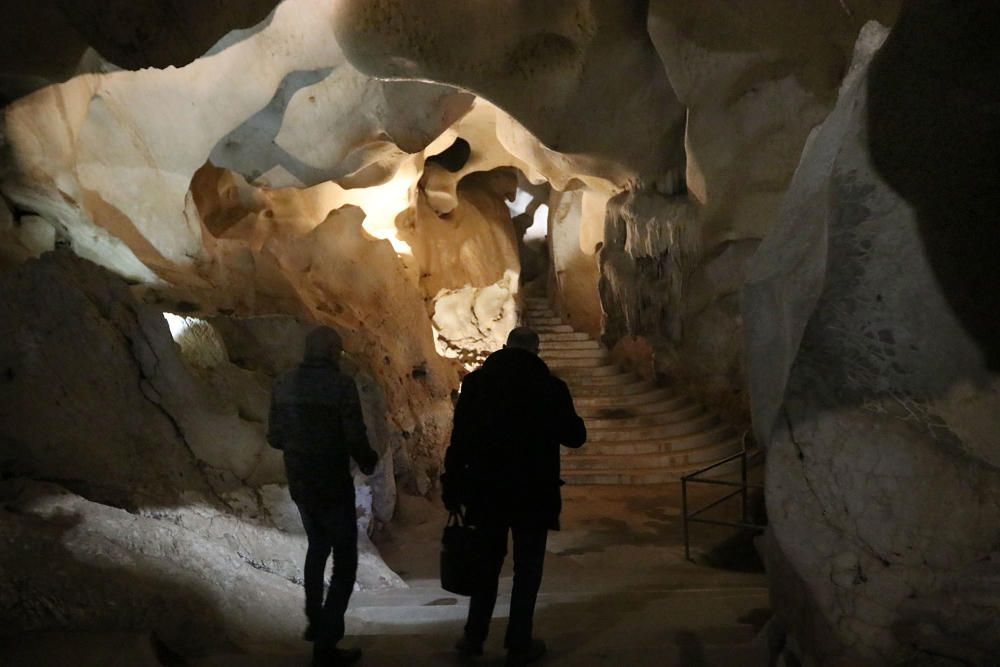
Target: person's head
{"type": "Point", "coordinates": [523, 338]}
{"type": "Point", "coordinates": [323, 343]}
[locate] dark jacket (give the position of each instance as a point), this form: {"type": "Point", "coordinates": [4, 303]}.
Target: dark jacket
{"type": "Point", "coordinates": [316, 420]}
{"type": "Point", "coordinates": [503, 461]}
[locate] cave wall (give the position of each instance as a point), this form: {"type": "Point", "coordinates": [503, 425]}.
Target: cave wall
{"type": "Point", "coordinates": [136, 475]}
{"type": "Point", "coordinates": [575, 235]}
{"type": "Point", "coordinates": [754, 82]}
{"type": "Point", "coordinates": [873, 379]}
{"type": "Point", "coordinates": [556, 68]}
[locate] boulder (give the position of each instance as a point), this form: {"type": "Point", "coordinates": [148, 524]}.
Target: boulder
{"type": "Point", "coordinates": [72, 564]}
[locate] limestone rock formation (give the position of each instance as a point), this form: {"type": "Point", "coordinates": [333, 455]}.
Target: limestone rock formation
{"type": "Point", "coordinates": [137, 432]}
{"type": "Point", "coordinates": [472, 322]}
{"type": "Point", "coordinates": [555, 67]}
{"type": "Point", "coordinates": [576, 234]}
{"type": "Point", "coordinates": [874, 391]}
{"type": "Point", "coordinates": [109, 418]}
{"type": "Point", "coordinates": [70, 563]}
{"type": "Point", "coordinates": [40, 36]}
{"type": "Point", "coordinates": [754, 83]}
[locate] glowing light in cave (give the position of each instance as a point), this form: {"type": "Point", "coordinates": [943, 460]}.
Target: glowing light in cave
{"type": "Point", "coordinates": [520, 204]}
{"type": "Point", "coordinates": [539, 228]}
{"type": "Point", "coordinates": [540, 225]}
{"type": "Point", "coordinates": [178, 324]}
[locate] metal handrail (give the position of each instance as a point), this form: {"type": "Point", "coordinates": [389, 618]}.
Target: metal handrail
{"type": "Point", "coordinates": [743, 488]}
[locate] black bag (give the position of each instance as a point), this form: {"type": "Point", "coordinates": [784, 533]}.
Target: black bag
{"type": "Point", "coordinates": [460, 556]}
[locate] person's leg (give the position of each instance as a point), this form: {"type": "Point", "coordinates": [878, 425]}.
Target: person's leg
{"type": "Point", "coordinates": [344, 534]}
{"type": "Point", "coordinates": [529, 559]}
{"type": "Point", "coordinates": [484, 598]}
{"type": "Point", "coordinates": [316, 554]}
{"type": "Point", "coordinates": [341, 526]}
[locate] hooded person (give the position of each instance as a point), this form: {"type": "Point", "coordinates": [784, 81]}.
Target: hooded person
{"type": "Point", "coordinates": [316, 421]}
{"type": "Point", "coordinates": [502, 469]}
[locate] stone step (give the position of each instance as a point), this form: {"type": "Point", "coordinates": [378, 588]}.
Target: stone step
{"type": "Point", "coordinates": [667, 405]}
{"type": "Point", "coordinates": [561, 345]}
{"type": "Point", "coordinates": [591, 374]}
{"type": "Point", "coordinates": [577, 381]}
{"type": "Point", "coordinates": [532, 313]}
{"type": "Point", "coordinates": [577, 362]}
{"type": "Point", "coordinates": [630, 384]}
{"type": "Point", "coordinates": [553, 328]}
{"type": "Point", "coordinates": [562, 336]}
{"type": "Point", "coordinates": [677, 445]}
{"type": "Point", "coordinates": [675, 416]}
{"type": "Point", "coordinates": [694, 458]}
{"type": "Point", "coordinates": [591, 353]}
{"type": "Point", "coordinates": [643, 475]}
{"type": "Point", "coordinates": [652, 396]}
{"type": "Point", "coordinates": [687, 410]}
{"type": "Point", "coordinates": [535, 322]}
{"type": "Point", "coordinates": [702, 424]}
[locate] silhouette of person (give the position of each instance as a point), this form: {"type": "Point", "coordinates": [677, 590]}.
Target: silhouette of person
{"type": "Point", "coordinates": [316, 421]}
{"type": "Point", "coordinates": [503, 466]}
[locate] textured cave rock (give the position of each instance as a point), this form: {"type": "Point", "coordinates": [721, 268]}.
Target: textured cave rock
{"type": "Point", "coordinates": [197, 235]}
{"type": "Point", "coordinates": [209, 186]}
{"type": "Point", "coordinates": [557, 67]}
{"type": "Point", "coordinates": [207, 145]}
{"type": "Point", "coordinates": [872, 386]}
{"type": "Point", "coordinates": [116, 420]}
{"type": "Point", "coordinates": [461, 233]}
{"type": "Point", "coordinates": [158, 33]}
{"type": "Point", "coordinates": [164, 453]}
{"type": "Point", "coordinates": [576, 225]}
{"type": "Point", "coordinates": [49, 41]}
{"type": "Point", "coordinates": [658, 284]}
{"type": "Point", "coordinates": [106, 569]}
{"type": "Point", "coordinates": [311, 131]}
{"type": "Point", "coordinates": [473, 322]}
{"type": "Point", "coordinates": [466, 253]}
{"type": "Point", "coordinates": [754, 82]}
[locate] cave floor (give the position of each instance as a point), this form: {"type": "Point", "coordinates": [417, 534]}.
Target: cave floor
{"type": "Point", "coordinates": [617, 590]}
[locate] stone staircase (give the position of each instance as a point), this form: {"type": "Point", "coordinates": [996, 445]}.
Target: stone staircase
{"type": "Point", "coordinates": [638, 432]}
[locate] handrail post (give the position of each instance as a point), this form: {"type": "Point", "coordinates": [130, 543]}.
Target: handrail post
{"type": "Point", "coordinates": [743, 478]}
{"type": "Point", "coordinates": [684, 512]}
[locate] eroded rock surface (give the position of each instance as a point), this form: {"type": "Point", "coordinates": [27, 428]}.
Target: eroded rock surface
{"type": "Point", "coordinates": [146, 478]}
{"type": "Point", "coordinates": [754, 80]}
{"type": "Point", "coordinates": [70, 563]}
{"type": "Point", "coordinates": [877, 400]}
{"type": "Point", "coordinates": [555, 67]}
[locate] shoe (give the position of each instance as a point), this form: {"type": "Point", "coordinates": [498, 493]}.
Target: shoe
{"type": "Point", "coordinates": [529, 654]}
{"type": "Point", "coordinates": [339, 657]}
{"type": "Point", "coordinates": [468, 648]}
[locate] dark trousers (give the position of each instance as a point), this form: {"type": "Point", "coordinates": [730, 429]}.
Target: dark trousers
{"type": "Point", "coordinates": [329, 529]}
{"type": "Point", "coordinates": [529, 559]}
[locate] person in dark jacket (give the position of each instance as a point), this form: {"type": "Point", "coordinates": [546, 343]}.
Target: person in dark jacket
{"type": "Point", "coordinates": [316, 421]}
{"type": "Point", "coordinates": [502, 467]}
